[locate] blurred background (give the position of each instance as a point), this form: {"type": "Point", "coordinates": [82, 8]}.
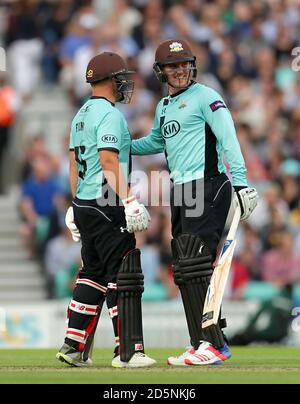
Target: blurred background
{"type": "Point", "coordinates": [247, 51]}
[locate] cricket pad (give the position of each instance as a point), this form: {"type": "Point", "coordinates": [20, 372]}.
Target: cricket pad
{"type": "Point", "coordinates": [192, 321]}
{"type": "Point", "coordinates": [194, 272]}
{"type": "Point", "coordinates": [130, 286]}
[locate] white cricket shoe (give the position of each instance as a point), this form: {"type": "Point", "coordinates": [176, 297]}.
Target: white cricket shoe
{"type": "Point", "coordinates": [180, 360]}
{"type": "Point", "coordinates": [138, 360]}
{"type": "Point", "coordinates": [206, 354]}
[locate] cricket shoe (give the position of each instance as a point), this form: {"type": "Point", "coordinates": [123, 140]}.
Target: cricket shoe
{"type": "Point", "coordinates": [180, 360]}
{"type": "Point", "coordinates": [206, 354]}
{"type": "Point", "coordinates": [72, 357]}
{"type": "Point", "coordinates": [138, 360]}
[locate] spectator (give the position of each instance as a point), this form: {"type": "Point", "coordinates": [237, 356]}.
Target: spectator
{"type": "Point", "coordinates": [280, 265]}
{"type": "Point", "coordinates": [238, 280]}
{"type": "Point", "coordinates": [35, 150]}
{"type": "Point", "coordinates": [61, 254]}
{"type": "Point", "coordinates": [24, 47]}
{"type": "Point", "coordinates": [53, 18]}
{"type": "Point", "coordinates": [9, 105]}
{"type": "Point", "coordinates": [79, 34]}
{"type": "Point", "coordinates": [57, 217]}
{"type": "Point", "coordinates": [289, 180]}
{"type": "Point", "coordinates": [37, 203]}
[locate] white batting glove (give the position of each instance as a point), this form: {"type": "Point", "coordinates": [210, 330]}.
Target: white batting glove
{"type": "Point", "coordinates": [69, 220]}
{"type": "Point", "coordinates": [246, 199]}
{"type": "Point", "coordinates": [137, 216]}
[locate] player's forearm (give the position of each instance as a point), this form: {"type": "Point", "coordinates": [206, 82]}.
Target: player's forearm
{"type": "Point", "coordinates": [146, 145]}
{"type": "Point", "coordinates": [73, 182]}
{"type": "Point", "coordinates": [73, 177]}
{"type": "Point", "coordinates": [113, 173]}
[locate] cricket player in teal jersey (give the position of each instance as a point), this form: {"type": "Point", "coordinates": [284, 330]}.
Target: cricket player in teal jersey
{"type": "Point", "coordinates": [104, 215]}
{"type": "Point", "coordinates": [193, 127]}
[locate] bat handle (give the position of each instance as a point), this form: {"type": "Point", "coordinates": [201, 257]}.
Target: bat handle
{"type": "Point", "coordinates": [234, 223]}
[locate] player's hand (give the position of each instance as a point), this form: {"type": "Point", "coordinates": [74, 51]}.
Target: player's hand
{"type": "Point", "coordinates": [246, 199]}
{"type": "Point", "coordinates": [69, 220]}
{"type": "Point", "coordinates": [137, 216]}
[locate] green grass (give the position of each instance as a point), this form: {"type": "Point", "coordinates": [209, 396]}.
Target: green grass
{"type": "Point", "coordinates": [248, 365]}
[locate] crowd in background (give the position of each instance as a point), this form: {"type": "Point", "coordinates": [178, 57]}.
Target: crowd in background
{"type": "Point", "coordinates": [244, 50]}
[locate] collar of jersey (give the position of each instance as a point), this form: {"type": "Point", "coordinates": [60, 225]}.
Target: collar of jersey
{"type": "Point", "coordinates": [95, 97]}
{"type": "Point", "coordinates": [183, 90]}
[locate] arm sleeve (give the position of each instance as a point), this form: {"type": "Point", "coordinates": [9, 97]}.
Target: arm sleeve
{"type": "Point", "coordinates": [151, 144]}
{"type": "Point", "coordinates": [109, 132]}
{"type": "Point", "coordinates": [218, 117]}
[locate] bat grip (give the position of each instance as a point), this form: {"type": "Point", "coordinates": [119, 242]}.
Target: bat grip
{"type": "Point", "coordinates": [234, 223]}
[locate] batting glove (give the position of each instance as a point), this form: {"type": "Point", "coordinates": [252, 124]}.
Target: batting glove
{"type": "Point", "coordinates": [69, 220]}
{"type": "Point", "coordinates": [137, 216]}
{"type": "Point", "coordinates": [246, 199]}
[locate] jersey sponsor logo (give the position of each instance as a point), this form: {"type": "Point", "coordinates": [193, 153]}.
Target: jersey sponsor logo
{"type": "Point", "coordinates": [216, 105]}
{"type": "Point", "coordinates": [109, 139]}
{"type": "Point", "coordinates": [170, 129]}
{"type": "Point", "coordinates": [176, 47]}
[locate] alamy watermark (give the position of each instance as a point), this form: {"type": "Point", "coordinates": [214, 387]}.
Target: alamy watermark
{"type": "Point", "coordinates": [2, 60]}
{"type": "Point", "coordinates": [296, 320]}
{"type": "Point", "coordinates": [296, 60]}
{"type": "Point", "coordinates": [157, 190]}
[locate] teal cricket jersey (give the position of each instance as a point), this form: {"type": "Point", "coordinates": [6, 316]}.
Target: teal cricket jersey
{"type": "Point", "coordinates": [98, 125]}
{"type": "Point", "coordinates": [194, 128]}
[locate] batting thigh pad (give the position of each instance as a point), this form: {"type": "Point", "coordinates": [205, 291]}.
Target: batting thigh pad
{"type": "Point", "coordinates": [130, 286]}
{"type": "Point", "coordinates": [195, 270]}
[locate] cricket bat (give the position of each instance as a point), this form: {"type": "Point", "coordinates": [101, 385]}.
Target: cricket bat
{"type": "Point", "coordinates": [215, 291]}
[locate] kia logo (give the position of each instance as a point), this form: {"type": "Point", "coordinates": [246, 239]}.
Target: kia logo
{"type": "Point", "coordinates": [170, 129]}
{"type": "Point", "coordinates": [109, 139]}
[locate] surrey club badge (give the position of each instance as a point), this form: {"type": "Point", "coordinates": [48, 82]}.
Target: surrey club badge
{"type": "Point", "coordinates": [176, 47]}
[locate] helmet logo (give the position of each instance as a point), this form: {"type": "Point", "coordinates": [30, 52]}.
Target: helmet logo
{"type": "Point", "coordinates": [176, 47]}
{"type": "Point", "coordinates": [90, 74]}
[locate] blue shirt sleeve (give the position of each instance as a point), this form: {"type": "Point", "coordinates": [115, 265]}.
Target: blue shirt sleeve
{"type": "Point", "coordinates": [218, 117]}
{"type": "Point", "coordinates": [27, 189]}
{"type": "Point", "coordinates": [109, 132]}
{"type": "Point", "coordinates": [152, 143]}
